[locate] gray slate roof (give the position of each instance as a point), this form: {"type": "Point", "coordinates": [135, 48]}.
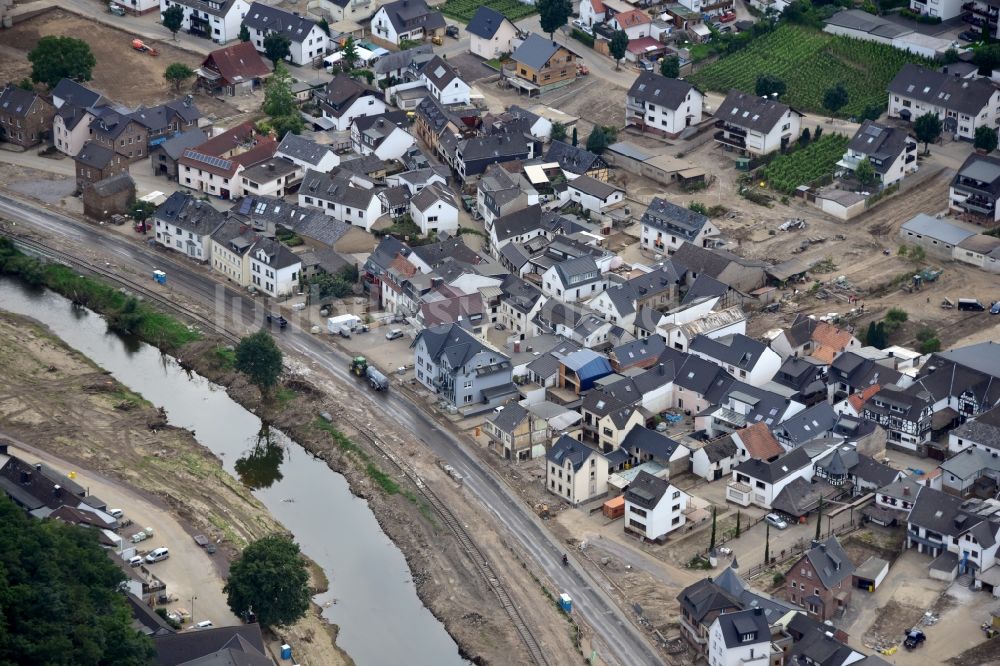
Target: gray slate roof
{"type": "Point", "coordinates": [704, 597]}
{"type": "Point", "coordinates": [573, 158]}
{"type": "Point", "coordinates": [114, 184]}
{"type": "Point", "coordinates": [450, 341]}
{"type": "Point", "coordinates": [651, 442]}
{"type": "Point", "coordinates": [303, 149]}
{"type": "Point", "coordinates": [432, 194]}
{"type": "Point", "coordinates": [646, 490]}
{"type": "Point", "coordinates": [567, 448]}
{"type": "Point", "coordinates": [439, 72]}
{"type": "Point", "coordinates": [405, 15]}
{"type": "Point", "coordinates": [747, 627]}
{"type": "Point", "coordinates": [879, 142]}
{"type": "Point", "coordinates": [983, 171]}
{"type": "Point", "coordinates": [673, 219]}
{"type": "Point", "coordinates": [76, 94]}
{"type": "Point", "coordinates": [335, 186]}
{"type": "Point", "coordinates": [720, 449]}
{"type": "Point", "coordinates": [535, 51]}
{"type": "Point", "coordinates": [660, 90]}
{"type": "Point", "coordinates": [401, 59]}
{"type": "Point", "coordinates": [737, 350]}
{"type": "Point", "coordinates": [95, 155]}
{"type": "Point", "coordinates": [984, 429]}
{"type": "Point", "coordinates": [267, 19]}
{"type": "Point", "coordinates": [594, 187]}
{"type": "Point", "coordinates": [751, 112]}
{"type": "Point", "coordinates": [967, 96]}
{"type": "Point", "coordinates": [175, 146]}
{"type": "Point", "coordinates": [831, 563]}
{"type": "Point", "coordinates": [855, 19]}
{"type": "Point", "coordinates": [16, 101]}
{"type": "Point", "coordinates": [511, 416]}
{"type": "Point", "coordinates": [190, 214]}
{"type": "Point", "coordinates": [485, 22]}
{"type": "Point", "coordinates": [770, 472]}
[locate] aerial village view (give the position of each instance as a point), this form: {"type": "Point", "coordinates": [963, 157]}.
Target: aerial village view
{"type": "Point", "coordinates": [500, 332]}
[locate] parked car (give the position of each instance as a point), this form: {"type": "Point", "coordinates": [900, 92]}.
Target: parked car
{"type": "Point", "coordinates": [776, 520]}
{"type": "Point", "coordinates": [394, 334]}
{"type": "Point", "coordinates": [995, 307]}
{"type": "Point", "coordinates": [646, 65]}
{"type": "Point", "coordinates": [970, 304]}
{"type": "Point", "coordinates": [157, 555]}
{"type": "Point", "coordinates": [914, 639]}
{"type": "Point", "coordinates": [970, 36]}
{"type": "Point", "coordinates": [452, 31]}
{"type": "Point", "coordinates": [279, 319]}
{"type": "Point", "coordinates": [134, 561]}
{"type": "Point", "coordinates": [579, 24]}
{"type": "Point", "coordinates": [116, 513]}
{"type": "Point", "coordinates": [727, 17]}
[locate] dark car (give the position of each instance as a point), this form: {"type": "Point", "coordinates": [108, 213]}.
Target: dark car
{"type": "Point", "coordinates": [281, 321]}
{"type": "Point", "coordinates": [914, 639]}
{"type": "Point", "coordinates": [970, 36]}
{"type": "Point", "coordinates": [995, 307]}
{"type": "Point", "coordinates": [451, 31]}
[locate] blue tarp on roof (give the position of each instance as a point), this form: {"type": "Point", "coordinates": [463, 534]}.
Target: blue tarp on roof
{"type": "Point", "coordinates": [588, 365]}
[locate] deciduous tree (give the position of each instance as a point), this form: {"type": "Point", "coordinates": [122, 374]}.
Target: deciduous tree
{"type": "Point", "coordinates": [56, 58]}
{"type": "Point", "coordinates": [618, 47]}
{"type": "Point", "coordinates": [927, 128]}
{"type": "Point", "coordinates": [769, 84]}
{"type": "Point", "coordinates": [177, 73]}
{"type": "Point", "coordinates": [173, 19]}
{"type": "Point", "coordinates": [258, 357]}
{"type": "Point", "coordinates": [244, 33]}
{"type": "Point", "coordinates": [269, 579]}
{"type": "Point", "coordinates": [670, 67]}
{"type": "Point", "coordinates": [835, 98]}
{"type": "Point", "coordinates": [986, 139]}
{"type": "Point", "coordinates": [277, 47]}
{"type": "Point", "coordinates": [558, 131]}
{"type": "Point", "coordinates": [553, 14]}
{"type": "Point", "coordinates": [279, 103]}
{"type": "Point", "coordinates": [865, 172]}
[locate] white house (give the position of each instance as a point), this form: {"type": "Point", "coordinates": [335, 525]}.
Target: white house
{"type": "Point", "coordinates": [307, 154]}
{"type": "Point", "coordinates": [270, 178]}
{"type": "Point", "coordinates": [892, 152]}
{"type": "Point", "coordinates": [71, 128]}
{"type": "Point", "coordinates": [716, 459]}
{"type": "Point", "coordinates": [942, 9]}
{"type": "Point", "coordinates": [744, 358]}
{"type": "Point", "coordinates": [749, 124]}
{"type": "Point", "coordinates": [434, 209]}
{"type": "Point", "coordinates": [982, 432]}
{"type": "Point", "coordinates": [574, 471]}
{"type": "Point", "coordinates": [220, 176]}
{"type": "Point", "coordinates": [339, 197]}
{"type": "Point", "coordinates": [635, 22]}
{"type": "Point", "coordinates": [186, 224]}
{"type": "Point", "coordinates": [962, 105]}
{"type": "Point", "coordinates": [663, 106]}
{"type": "Point", "coordinates": [345, 99]}
{"type": "Point", "coordinates": [742, 638]}
{"type": "Point", "coordinates": [593, 11]}
{"type": "Point", "coordinates": [385, 136]}
{"type": "Point", "coordinates": [274, 269]}
{"type": "Point", "coordinates": [491, 33]}
{"type": "Point", "coordinates": [308, 42]}
{"type": "Point", "coordinates": [573, 280]}
{"type": "Point", "coordinates": [759, 482]}
{"type": "Point", "coordinates": [595, 195]}
{"type": "Point", "coordinates": [406, 19]}
{"type": "Point", "coordinates": [219, 20]}
{"type": "Point", "coordinates": [444, 83]}
{"type": "Point", "coordinates": [654, 507]}
{"type": "Point", "coordinates": [665, 226]}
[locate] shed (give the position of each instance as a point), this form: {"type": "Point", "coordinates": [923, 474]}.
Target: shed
{"type": "Point", "coordinates": [871, 574]}
{"type": "Point", "coordinates": [614, 508]}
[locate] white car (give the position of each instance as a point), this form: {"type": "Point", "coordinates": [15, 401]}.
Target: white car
{"type": "Point", "coordinates": [776, 520]}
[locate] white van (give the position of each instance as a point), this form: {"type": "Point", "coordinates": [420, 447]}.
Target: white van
{"type": "Point", "coordinates": [157, 555]}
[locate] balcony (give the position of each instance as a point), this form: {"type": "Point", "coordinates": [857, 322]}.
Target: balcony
{"type": "Point", "coordinates": [849, 161]}
{"type": "Point", "coordinates": [976, 206]}
{"type": "Point", "coordinates": [911, 158]}
{"type": "Point", "coordinates": [732, 129]}
{"type": "Point", "coordinates": [734, 141]}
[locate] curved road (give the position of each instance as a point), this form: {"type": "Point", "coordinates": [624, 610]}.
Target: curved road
{"type": "Point", "coordinates": [622, 642]}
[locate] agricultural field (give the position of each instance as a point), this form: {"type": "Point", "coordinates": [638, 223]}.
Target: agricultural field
{"type": "Point", "coordinates": [464, 9]}
{"type": "Point", "coordinates": [809, 62]}
{"type": "Point", "coordinates": [805, 165]}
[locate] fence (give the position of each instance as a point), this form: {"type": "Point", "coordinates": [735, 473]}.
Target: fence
{"type": "Point", "coordinates": [787, 556]}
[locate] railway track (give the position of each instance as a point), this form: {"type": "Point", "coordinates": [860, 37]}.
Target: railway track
{"type": "Point", "coordinates": [472, 550]}
{"type": "Point", "coordinates": [47, 252]}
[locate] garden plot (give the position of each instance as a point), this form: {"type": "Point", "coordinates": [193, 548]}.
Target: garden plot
{"type": "Point", "coordinates": [806, 165]}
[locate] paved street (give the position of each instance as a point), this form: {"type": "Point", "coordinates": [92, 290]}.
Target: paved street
{"type": "Point", "coordinates": [618, 640]}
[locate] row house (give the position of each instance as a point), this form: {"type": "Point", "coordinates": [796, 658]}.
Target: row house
{"type": "Point", "coordinates": [307, 41]}
{"type": "Point", "coordinates": [752, 125]}
{"type": "Point", "coordinates": [744, 358]}
{"type": "Point", "coordinates": [663, 106]}
{"type": "Point", "coordinates": [982, 432]}
{"type": "Point", "coordinates": [95, 163]}
{"type": "Point", "coordinates": [218, 20]}
{"type": "Point", "coordinates": [519, 303]}
{"type": "Point", "coordinates": [575, 472]}
{"type": "Point", "coordinates": [657, 289]}
{"type": "Point", "coordinates": [307, 154]}
{"type": "Point", "coordinates": [500, 192]}
{"type": "Point", "coordinates": [742, 638]}
{"type": "Point", "coordinates": [515, 433]}
{"type": "Point", "coordinates": [982, 15]}
{"type": "Point", "coordinates": [25, 117]}
{"type": "Point", "coordinates": [820, 580]}
{"type": "Point", "coordinates": [444, 83]}
{"type": "Point", "coordinates": [701, 604]}
{"type": "Point", "coordinates": [962, 105]}
{"type": "Point", "coordinates": [760, 482]}
{"type": "Point", "coordinates": [338, 195]}
{"type": "Point", "coordinates": [186, 224]}
{"type": "Point", "coordinates": [221, 176]}
{"type": "Point", "coordinates": [975, 190]}
{"type": "Point", "coordinates": [71, 128]}
{"type": "Point", "coordinates": [120, 132]}
{"type": "Point", "coordinates": [577, 160]}
{"type": "Point", "coordinates": [473, 155]}
{"type": "Point", "coordinates": [166, 120]}
{"type": "Point", "coordinates": [385, 136]}
{"type": "Point", "coordinates": [573, 280]}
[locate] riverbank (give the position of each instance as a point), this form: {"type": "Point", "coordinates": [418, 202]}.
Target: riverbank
{"type": "Point", "coordinates": [63, 405]}
{"type": "Point", "coordinates": [446, 581]}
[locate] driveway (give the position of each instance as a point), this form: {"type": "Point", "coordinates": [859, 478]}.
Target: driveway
{"type": "Point", "coordinates": [191, 575]}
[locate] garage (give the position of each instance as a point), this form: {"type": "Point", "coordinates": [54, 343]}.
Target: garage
{"type": "Point", "coordinates": [871, 574]}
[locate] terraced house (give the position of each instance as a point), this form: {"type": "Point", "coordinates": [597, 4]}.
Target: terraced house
{"type": "Point", "coordinates": [25, 118]}
{"type": "Point", "coordinates": [963, 105]}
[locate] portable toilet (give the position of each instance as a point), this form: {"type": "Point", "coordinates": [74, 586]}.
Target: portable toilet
{"type": "Point", "coordinates": [286, 652]}
{"type": "Point", "coordinates": [565, 602]}
{"type": "Point", "coordinates": [160, 277]}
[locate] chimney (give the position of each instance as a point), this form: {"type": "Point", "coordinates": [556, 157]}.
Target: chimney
{"type": "Point", "coordinates": [758, 611]}
{"type": "Point", "coordinates": [25, 477]}
{"type": "Point", "coordinates": [57, 490]}
{"type": "Point", "coordinates": [814, 543]}
{"type": "Point", "coordinates": [270, 166]}
{"type": "Point", "coordinates": [906, 490]}
{"type": "Point", "coordinates": [662, 369]}
{"type": "Point", "coordinates": [517, 347]}
{"type": "Point", "coordinates": [38, 466]}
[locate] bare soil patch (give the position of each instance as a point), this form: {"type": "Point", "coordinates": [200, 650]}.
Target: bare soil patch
{"type": "Point", "coordinates": [122, 74]}
{"type": "Point", "coordinates": [893, 621]}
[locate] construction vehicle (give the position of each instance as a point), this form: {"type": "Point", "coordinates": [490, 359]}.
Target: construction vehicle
{"type": "Point", "coordinates": [438, 40]}
{"type": "Point", "coordinates": [360, 367]}
{"type": "Point", "coordinates": [141, 47]}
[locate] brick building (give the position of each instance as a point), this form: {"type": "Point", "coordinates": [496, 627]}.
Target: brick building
{"type": "Point", "coordinates": [820, 580]}
{"type": "Point", "coordinates": [25, 118]}
{"type": "Point", "coordinates": [95, 162]}
{"type": "Point", "coordinates": [108, 197]}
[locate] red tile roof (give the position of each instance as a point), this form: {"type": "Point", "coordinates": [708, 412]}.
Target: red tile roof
{"type": "Point", "coordinates": [632, 18]}
{"type": "Point", "coordinates": [858, 400]}
{"type": "Point", "coordinates": [760, 442]}
{"type": "Point", "coordinates": [228, 140]}
{"type": "Point", "coordinates": [237, 63]}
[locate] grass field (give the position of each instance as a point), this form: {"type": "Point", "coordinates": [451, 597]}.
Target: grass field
{"type": "Point", "coordinates": [809, 62]}
{"type": "Point", "coordinates": [805, 165]}
{"type": "Point", "coordinates": [464, 9]}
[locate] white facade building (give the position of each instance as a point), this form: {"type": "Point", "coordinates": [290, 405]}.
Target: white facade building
{"type": "Point", "coordinates": [308, 42]}
{"type": "Point", "coordinates": [274, 269]}
{"type": "Point", "coordinates": [219, 20]}
{"type": "Point", "coordinates": [654, 507]}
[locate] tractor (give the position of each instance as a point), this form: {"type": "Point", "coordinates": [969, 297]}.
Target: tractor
{"type": "Point", "coordinates": [359, 366]}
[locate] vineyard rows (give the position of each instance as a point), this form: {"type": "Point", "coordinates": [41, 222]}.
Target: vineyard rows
{"type": "Point", "coordinates": [803, 166]}
{"type": "Point", "coordinates": [809, 62]}
{"type": "Point", "coordinates": [464, 9]}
